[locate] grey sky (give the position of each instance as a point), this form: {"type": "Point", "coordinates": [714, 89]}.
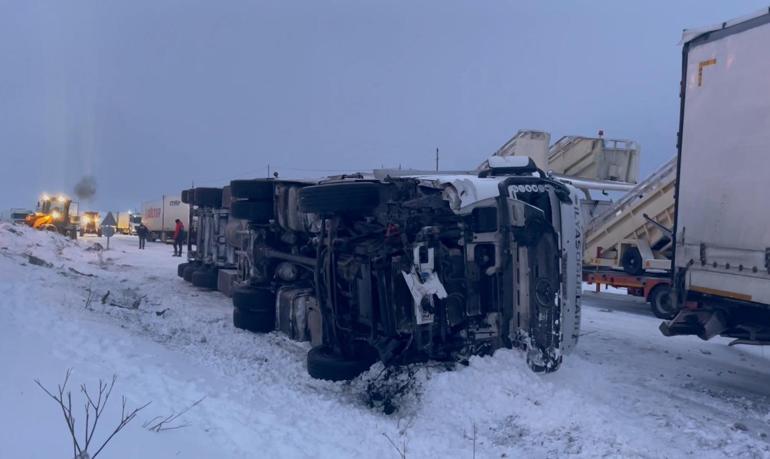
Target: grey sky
{"type": "Point", "coordinates": [149, 95]}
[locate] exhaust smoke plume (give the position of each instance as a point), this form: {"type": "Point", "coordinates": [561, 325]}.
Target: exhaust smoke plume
{"type": "Point", "coordinates": [86, 188]}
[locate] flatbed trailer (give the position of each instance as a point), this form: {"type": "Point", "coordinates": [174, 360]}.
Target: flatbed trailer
{"type": "Point", "coordinates": [655, 288]}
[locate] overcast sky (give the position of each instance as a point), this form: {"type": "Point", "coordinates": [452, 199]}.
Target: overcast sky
{"type": "Point", "coordinates": [150, 95]}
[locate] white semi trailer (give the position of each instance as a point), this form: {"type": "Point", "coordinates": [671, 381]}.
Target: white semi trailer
{"type": "Point", "coordinates": [722, 242]}
{"type": "Point", "coordinates": [159, 216]}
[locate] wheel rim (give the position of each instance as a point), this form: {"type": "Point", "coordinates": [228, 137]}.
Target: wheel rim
{"type": "Point", "coordinates": [664, 303]}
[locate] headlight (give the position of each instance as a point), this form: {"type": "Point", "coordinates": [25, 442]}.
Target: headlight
{"type": "Point", "coordinates": [56, 214]}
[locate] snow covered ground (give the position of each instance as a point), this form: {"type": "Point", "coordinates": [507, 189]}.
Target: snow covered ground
{"type": "Point", "coordinates": [626, 391]}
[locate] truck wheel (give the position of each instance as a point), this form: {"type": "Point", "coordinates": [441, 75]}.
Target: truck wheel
{"type": "Point", "coordinates": [253, 211]}
{"type": "Point", "coordinates": [324, 363]}
{"type": "Point", "coordinates": [661, 302]}
{"type": "Point", "coordinates": [253, 298]}
{"type": "Point", "coordinates": [256, 190]}
{"type": "Point", "coordinates": [340, 197]}
{"type": "Point", "coordinates": [188, 271]}
{"type": "Point", "coordinates": [254, 309]}
{"type": "Point", "coordinates": [632, 261]}
{"type": "Point", "coordinates": [180, 269]}
{"type": "Point", "coordinates": [257, 321]}
{"type": "Point", "coordinates": [205, 278]}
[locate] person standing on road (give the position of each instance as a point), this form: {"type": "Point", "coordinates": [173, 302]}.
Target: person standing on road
{"type": "Point", "coordinates": [178, 237]}
{"type": "Point", "coordinates": [142, 232]}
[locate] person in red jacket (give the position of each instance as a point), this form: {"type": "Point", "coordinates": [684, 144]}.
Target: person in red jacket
{"type": "Point", "coordinates": [178, 238]}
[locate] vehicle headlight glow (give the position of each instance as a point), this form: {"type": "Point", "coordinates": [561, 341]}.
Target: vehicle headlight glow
{"type": "Point", "coordinates": [56, 214]}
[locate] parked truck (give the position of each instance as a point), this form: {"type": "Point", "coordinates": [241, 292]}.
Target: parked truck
{"type": "Point", "coordinates": [127, 222]}
{"type": "Point", "coordinates": [630, 244]}
{"type": "Point", "coordinates": [722, 243]}
{"type": "Point", "coordinates": [159, 216]}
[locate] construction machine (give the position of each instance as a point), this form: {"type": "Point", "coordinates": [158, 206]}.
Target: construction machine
{"type": "Point", "coordinates": [53, 214]}
{"type": "Point", "coordinates": [90, 223]}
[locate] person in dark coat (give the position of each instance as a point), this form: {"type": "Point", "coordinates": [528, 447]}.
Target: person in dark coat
{"type": "Point", "coordinates": [142, 232]}
{"type": "Point", "coordinates": [178, 237]}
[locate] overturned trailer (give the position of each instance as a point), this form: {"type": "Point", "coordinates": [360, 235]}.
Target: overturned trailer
{"type": "Point", "coordinates": [212, 240]}
{"type": "Point", "coordinates": [404, 267]}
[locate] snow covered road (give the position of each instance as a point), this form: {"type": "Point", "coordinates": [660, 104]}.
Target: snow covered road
{"type": "Point", "coordinates": [626, 391]}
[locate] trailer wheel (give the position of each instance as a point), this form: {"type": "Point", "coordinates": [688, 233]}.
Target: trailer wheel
{"type": "Point", "coordinates": [253, 211]}
{"type": "Point", "coordinates": [256, 190]}
{"type": "Point", "coordinates": [259, 321]}
{"type": "Point", "coordinates": [253, 298]}
{"type": "Point", "coordinates": [632, 261]}
{"type": "Point", "coordinates": [254, 309]}
{"type": "Point", "coordinates": [207, 197]}
{"type": "Point", "coordinates": [205, 278]}
{"type": "Point", "coordinates": [340, 197]}
{"type": "Point", "coordinates": [662, 302]}
{"type": "Point", "coordinates": [324, 363]}
{"type": "Point", "coordinates": [188, 271]}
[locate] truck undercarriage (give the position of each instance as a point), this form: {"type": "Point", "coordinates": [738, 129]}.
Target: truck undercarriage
{"type": "Point", "coordinates": [405, 269]}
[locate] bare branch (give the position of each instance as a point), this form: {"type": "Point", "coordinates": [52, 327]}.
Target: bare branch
{"type": "Point", "coordinates": [401, 451]}
{"type": "Point", "coordinates": [159, 423]}
{"type": "Point", "coordinates": [125, 419]}
{"type": "Point", "coordinates": [97, 403]}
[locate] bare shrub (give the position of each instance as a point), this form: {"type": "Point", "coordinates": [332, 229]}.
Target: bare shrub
{"type": "Point", "coordinates": [170, 422]}
{"type": "Point", "coordinates": [94, 405]}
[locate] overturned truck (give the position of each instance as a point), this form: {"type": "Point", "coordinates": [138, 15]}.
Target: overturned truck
{"type": "Point", "coordinates": [405, 267]}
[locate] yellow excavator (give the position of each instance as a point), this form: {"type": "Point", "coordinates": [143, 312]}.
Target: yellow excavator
{"type": "Point", "coordinates": [53, 214]}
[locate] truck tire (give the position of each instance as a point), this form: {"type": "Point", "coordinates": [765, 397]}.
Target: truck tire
{"type": "Point", "coordinates": [340, 197]}
{"type": "Point", "coordinates": [180, 269]}
{"type": "Point", "coordinates": [661, 302]}
{"type": "Point", "coordinates": [205, 278]}
{"type": "Point", "coordinates": [254, 309]}
{"type": "Point", "coordinates": [256, 190]}
{"type": "Point", "coordinates": [259, 321]}
{"type": "Point", "coordinates": [188, 271]}
{"type": "Point", "coordinates": [632, 261]}
{"type": "Point", "coordinates": [324, 363]}
{"type": "Point", "coordinates": [254, 211]}
{"type": "Point", "coordinates": [253, 298]}
{"type": "Point", "coordinates": [207, 197]}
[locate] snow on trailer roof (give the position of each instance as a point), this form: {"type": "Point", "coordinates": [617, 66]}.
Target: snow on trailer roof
{"type": "Point", "coordinates": [689, 35]}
